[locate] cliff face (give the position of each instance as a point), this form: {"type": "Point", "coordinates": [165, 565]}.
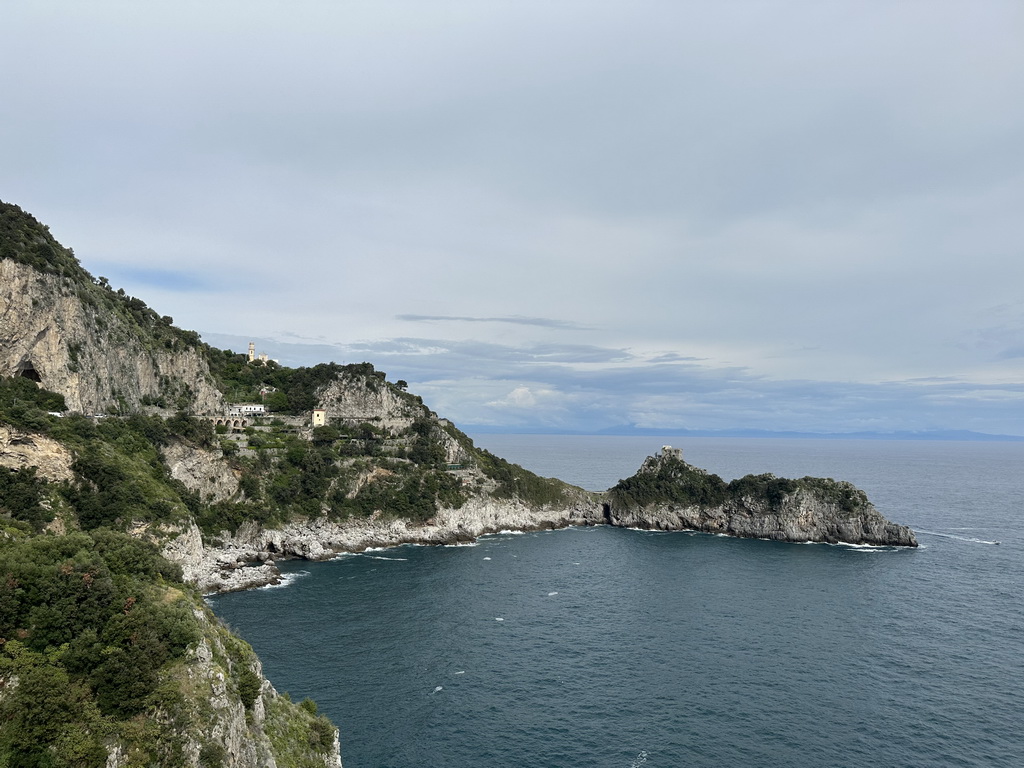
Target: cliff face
{"type": "Point", "coordinates": [57, 332]}
{"type": "Point", "coordinates": [669, 494]}
{"type": "Point", "coordinates": [201, 471]}
{"type": "Point", "coordinates": [354, 399]}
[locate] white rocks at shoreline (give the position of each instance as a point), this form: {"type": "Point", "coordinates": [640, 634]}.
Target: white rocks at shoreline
{"type": "Point", "coordinates": [237, 561]}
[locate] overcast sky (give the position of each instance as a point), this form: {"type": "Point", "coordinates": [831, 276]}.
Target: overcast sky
{"type": "Point", "coordinates": [562, 214]}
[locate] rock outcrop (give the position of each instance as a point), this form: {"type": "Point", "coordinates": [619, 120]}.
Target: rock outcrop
{"type": "Point", "coordinates": [201, 471]}
{"type": "Point", "coordinates": [669, 494]}
{"type": "Point", "coordinates": [51, 332]}
{"type": "Point", "coordinates": [355, 398]}
{"type": "Point", "coordinates": [51, 459]}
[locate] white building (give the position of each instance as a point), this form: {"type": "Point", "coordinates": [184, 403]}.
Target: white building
{"type": "Point", "coordinates": [247, 409]}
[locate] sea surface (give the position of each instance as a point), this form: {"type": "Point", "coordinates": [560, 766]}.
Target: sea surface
{"type": "Point", "coordinates": [619, 649]}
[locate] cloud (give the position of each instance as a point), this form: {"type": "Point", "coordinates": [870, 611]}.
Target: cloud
{"type": "Point", "coordinates": [495, 385]}
{"type": "Point", "coordinates": [523, 398]}
{"type": "Point", "coordinates": [540, 322]}
{"type": "Point", "coordinates": [683, 212]}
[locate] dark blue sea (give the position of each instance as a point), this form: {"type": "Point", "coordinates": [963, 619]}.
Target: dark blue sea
{"type": "Point", "coordinates": [620, 649]}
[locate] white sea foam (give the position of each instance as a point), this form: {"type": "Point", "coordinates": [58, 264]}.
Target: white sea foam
{"type": "Point", "coordinates": [340, 555]}
{"type": "Point", "coordinates": [286, 580]}
{"type": "Point", "coordinates": [487, 558]}
{"type": "Point", "coordinates": [498, 618]}
{"type": "Point", "coordinates": [378, 557]}
{"type": "Point", "coordinates": [552, 594]}
{"type": "Point", "coordinates": [438, 688]}
{"type": "Point", "coordinates": [639, 760]}
{"type": "Point", "coordinates": [461, 672]}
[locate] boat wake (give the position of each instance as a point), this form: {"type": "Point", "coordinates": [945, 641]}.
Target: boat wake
{"type": "Point", "coordinates": [970, 539]}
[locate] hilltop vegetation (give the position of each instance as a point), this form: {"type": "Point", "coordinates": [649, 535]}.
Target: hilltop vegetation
{"type": "Point", "coordinates": [670, 480]}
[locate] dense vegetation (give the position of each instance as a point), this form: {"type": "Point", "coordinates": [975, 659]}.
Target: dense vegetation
{"type": "Point", "coordinates": [283, 390]}
{"type": "Point", "coordinates": [87, 625]}
{"type": "Point", "coordinates": [94, 630]}
{"type": "Point", "coordinates": [514, 481]}
{"type": "Point", "coordinates": [667, 480]}
{"type": "Point", "coordinates": [345, 470]}
{"type": "Point", "coordinates": [25, 240]}
{"type": "Point", "coordinates": [120, 473]}
{"type": "Point", "coordinates": [671, 481]}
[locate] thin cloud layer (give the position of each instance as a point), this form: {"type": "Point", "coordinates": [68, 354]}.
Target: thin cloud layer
{"type": "Point", "coordinates": [540, 322]}
{"type": "Point", "coordinates": [491, 385]}
{"type": "Point", "coordinates": [779, 214]}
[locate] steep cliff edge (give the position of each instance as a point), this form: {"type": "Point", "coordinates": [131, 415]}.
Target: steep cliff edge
{"type": "Point", "coordinates": [103, 350]}
{"type": "Point", "coordinates": [669, 494]}
{"type": "Point", "coordinates": [107, 659]}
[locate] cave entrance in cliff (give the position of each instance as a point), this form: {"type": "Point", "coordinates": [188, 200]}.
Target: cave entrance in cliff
{"type": "Point", "coordinates": [606, 512]}
{"type": "Point", "coordinates": [28, 371]}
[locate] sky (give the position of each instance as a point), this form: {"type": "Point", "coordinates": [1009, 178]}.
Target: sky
{"type": "Point", "coordinates": [561, 216]}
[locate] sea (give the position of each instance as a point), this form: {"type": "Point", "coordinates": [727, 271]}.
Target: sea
{"type": "Point", "coordinates": [618, 648]}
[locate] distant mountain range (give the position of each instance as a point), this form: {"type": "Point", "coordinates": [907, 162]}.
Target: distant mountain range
{"type": "Point", "coordinates": [628, 430]}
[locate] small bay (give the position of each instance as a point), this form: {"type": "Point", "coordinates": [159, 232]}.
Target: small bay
{"type": "Point", "coordinates": [617, 648]}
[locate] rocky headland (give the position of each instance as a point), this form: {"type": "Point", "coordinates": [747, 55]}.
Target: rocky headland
{"type": "Point", "coordinates": [669, 494]}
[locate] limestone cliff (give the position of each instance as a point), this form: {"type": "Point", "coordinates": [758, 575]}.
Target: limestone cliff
{"type": "Point", "coordinates": [230, 715]}
{"type": "Point", "coordinates": [104, 351]}
{"type": "Point", "coordinates": [669, 494]}
{"type": "Point", "coordinates": [201, 471]}
{"type": "Point", "coordinates": [355, 397]}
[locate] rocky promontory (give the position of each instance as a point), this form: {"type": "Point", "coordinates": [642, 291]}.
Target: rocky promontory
{"type": "Point", "coordinates": [669, 494]}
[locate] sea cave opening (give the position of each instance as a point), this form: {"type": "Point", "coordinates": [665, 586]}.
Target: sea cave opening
{"type": "Point", "coordinates": [28, 371]}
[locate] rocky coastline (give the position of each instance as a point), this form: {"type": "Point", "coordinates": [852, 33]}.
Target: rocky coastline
{"type": "Point", "coordinates": [247, 558]}
{"type": "Point", "coordinates": [815, 510]}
